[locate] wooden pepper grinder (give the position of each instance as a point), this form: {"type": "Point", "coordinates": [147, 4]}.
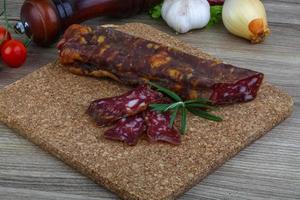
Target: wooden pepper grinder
{"type": "Point", "coordinates": [45, 20]}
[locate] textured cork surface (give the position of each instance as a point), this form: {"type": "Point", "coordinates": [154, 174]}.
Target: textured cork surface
{"type": "Point", "coordinates": [48, 107]}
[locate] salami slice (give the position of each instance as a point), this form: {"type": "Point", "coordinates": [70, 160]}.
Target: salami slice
{"type": "Point", "coordinates": [158, 128]}
{"type": "Point", "coordinates": [109, 110]}
{"type": "Point", "coordinates": [127, 130]}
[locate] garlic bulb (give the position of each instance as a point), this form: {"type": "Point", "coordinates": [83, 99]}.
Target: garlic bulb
{"type": "Point", "coordinates": [246, 18]}
{"type": "Point", "coordinates": [185, 15]}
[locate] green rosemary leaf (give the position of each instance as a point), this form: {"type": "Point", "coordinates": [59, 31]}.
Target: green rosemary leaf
{"type": "Point", "coordinates": [174, 105]}
{"type": "Point", "coordinates": [183, 120]}
{"type": "Point", "coordinates": [159, 107]}
{"type": "Point", "coordinates": [199, 100]}
{"type": "Point", "coordinates": [173, 117]}
{"type": "Point", "coordinates": [166, 91]}
{"type": "Point", "coordinates": [205, 114]}
{"type": "Point", "coordinates": [200, 105]}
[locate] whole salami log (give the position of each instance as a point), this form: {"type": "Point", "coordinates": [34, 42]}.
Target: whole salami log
{"type": "Point", "coordinates": [109, 110]}
{"type": "Point", "coordinates": [106, 52]}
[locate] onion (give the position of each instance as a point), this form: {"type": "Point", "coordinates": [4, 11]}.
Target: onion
{"type": "Point", "coordinates": [246, 19]}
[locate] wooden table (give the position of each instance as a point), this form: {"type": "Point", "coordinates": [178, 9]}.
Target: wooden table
{"type": "Point", "coordinates": [268, 169]}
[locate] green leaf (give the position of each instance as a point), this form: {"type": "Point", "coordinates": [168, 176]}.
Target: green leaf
{"type": "Point", "coordinates": [215, 15]}
{"type": "Point", "coordinates": [183, 120]}
{"type": "Point", "coordinates": [159, 107]}
{"type": "Point", "coordinates": [199, 100]}
{"type": "Point", "coordinates": [205, 115]}
{"type": "Point", "coordinates": [173, 117]}
{"type": "Point", "coordinates": [155, 12]}
{"type": "Point", "coordinates": [166, 91]}
{"type": "Point", "coordinates": [200, 105]}
{"type": "Point", "coordinates": [174, 105]}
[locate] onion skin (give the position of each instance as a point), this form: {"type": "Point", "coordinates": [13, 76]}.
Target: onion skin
{"type": "Point", "coordinates": [257, 28]}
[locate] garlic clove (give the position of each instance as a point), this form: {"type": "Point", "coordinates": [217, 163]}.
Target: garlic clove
{"type": "Point", "coordinates": [185, 15]}
{"type": "Point", "coordinates": [176, 16]}
{"type": "Point", "coordinates": [246, 18]}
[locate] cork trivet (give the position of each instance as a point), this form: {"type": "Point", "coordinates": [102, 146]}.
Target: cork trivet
{"type": "Point", "coordinates": [48, 107]}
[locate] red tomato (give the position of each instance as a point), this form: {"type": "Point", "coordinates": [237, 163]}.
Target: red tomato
{"type": "Point", "coordinates": [13, 53]}
{"type": "Point", "coordinates": [4, 36]}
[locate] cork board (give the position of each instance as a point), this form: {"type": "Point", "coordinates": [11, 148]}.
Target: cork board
{"type": "Point", "coordinates": [48, 107]}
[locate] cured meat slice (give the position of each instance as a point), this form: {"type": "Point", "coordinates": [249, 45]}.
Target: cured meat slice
{"type": "Point", "coordinates": [106, 52]}
{"type": "Point", "coordinates": [127, 130]}
{"type": "Point", "coordinates": [158, 128]}
{"type": "Point", "coordinates": [109, 110]}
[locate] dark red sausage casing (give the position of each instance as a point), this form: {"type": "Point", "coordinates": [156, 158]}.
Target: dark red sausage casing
{"type": "Point", "coordinates": [106, 52]}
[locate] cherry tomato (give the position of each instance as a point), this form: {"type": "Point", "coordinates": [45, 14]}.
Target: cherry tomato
{"type": "Point", "coordinates": [4, 36]}
{"type": "Point", "coordinates": [13, 53]}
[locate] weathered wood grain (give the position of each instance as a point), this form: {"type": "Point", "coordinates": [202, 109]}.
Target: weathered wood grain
{"type": "Point", "coordinates": [269, 169]}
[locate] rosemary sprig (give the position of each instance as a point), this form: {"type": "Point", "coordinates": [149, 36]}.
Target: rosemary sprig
{"type": "Point", "coordinates": [199, 107]}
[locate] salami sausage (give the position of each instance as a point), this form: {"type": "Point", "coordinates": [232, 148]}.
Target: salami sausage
{"type": "Point", "coordinates": [158, 128]}
{"type": "Point", "coordinates": [127, 130]}
{"type": "Point", "coordinates": [109, 110]}
{"type": "Point", "coordinates": [106, 52]}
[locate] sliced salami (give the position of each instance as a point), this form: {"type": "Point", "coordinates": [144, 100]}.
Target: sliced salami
{"type": "Point", "coordinates": [109, 110]}
{"type": "Point", "coordinates": [127, 130]}
{"type": "Point", "coordinates": [158, 128]}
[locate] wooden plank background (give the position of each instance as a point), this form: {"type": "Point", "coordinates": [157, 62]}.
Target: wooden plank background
{"type": "Point", "coordinates": [268, 169]}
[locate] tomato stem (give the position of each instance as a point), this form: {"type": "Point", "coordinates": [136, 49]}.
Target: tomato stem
{"type": "Point", "coordinates": [27, 41]}
{"type": "Point", "coordinates": [4, 38]}
{"type": "Point", "coordinates": [8, 26]}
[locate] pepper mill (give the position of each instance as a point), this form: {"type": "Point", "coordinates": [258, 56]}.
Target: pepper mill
{"type": "Point", "coordinates": [45, 20]}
